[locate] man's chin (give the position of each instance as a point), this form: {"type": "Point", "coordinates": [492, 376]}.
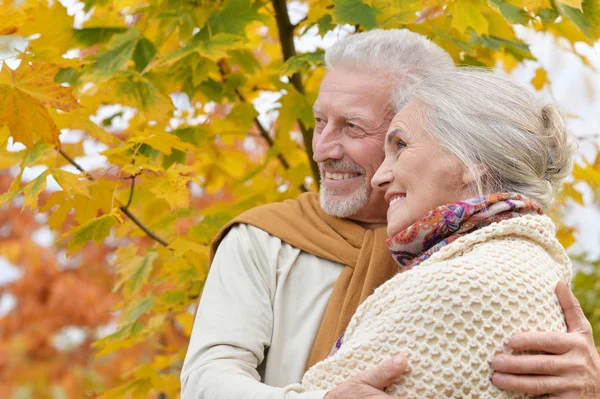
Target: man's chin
{"type": "Point", "coordinates": [342, 206]}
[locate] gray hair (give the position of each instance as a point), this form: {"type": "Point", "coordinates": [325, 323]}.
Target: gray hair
{"type": "Point", "coordinates": [405, 56]}
{"type": "Point", "coordinates": [498, 129]}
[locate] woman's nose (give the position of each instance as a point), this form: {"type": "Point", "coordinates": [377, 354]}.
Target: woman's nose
{"type": "Point", "coordinates": [383, 177]}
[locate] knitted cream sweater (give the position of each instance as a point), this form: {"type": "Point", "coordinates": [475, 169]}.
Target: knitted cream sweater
{"type": "Point", "coordinates": [454, 311]}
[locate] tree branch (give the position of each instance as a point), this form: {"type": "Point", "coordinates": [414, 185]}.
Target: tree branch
{"type": "Point", "coordinates": [263, 132]}
{"type": "Point", "coordinates": [286, 37]}
{"type": "Point", "coordinates": [123, 209]}
{"type": "Point", "coordinates": [131, 191]}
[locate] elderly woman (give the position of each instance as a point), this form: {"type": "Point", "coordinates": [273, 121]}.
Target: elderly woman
{"type": "Point", "coordinates": [472, 163]}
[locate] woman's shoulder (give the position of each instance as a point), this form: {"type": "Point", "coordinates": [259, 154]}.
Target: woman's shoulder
{"type": "Point", "coordinates": [528, 232]}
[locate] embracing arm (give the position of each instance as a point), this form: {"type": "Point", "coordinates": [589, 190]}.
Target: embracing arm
{"type": "Point", "coordinates": [570, 367]}
{"type": "Point", "coordinates": [233, 326]}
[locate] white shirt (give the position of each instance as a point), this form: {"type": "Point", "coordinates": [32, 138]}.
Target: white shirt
{"type": "Point", "coordinates": [259, 314]}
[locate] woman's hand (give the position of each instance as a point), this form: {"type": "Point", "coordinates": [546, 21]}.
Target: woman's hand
{"type": "Point", "coordinates": [371, 383]}
{"type": "Point", "coordinates": [571, 367]}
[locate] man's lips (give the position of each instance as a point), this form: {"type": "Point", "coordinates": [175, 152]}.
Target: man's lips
{"type": "Point", "coordinates": [340, 175]}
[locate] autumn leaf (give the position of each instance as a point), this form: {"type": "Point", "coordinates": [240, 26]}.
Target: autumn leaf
{"type": "Point", "coordinates": [32, 190]}
{"type": "Point", "coordinates": [70, 183]}
{"type": "Point", "coordinates": [467, 14]}
{"type": "Point", "coordinates": [302, 61]}
{"type": "Point", "coordinates": [24, 95]}
{"type": "Point", "coordinates": [354, 11]}
{"type": "Point", "coordinates": [572, 3]}
{"type": "Point", "coordinates": [52, 23]}
{"type": "Point", "coordinates": [94, 230]}
{"type": "Point", "coordinates": [173, 188]}
{"type": "Point", "coordinates": [540, 79]}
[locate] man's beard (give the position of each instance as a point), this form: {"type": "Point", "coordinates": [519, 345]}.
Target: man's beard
{"type": "Point", "coordinates": [350, 205]}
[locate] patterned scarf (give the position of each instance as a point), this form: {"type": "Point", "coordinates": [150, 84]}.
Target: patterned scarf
{"type": "Point", "coordinates": [446, 223]}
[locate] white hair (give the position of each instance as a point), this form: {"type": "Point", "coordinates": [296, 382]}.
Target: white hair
{"type": "Point", "coordinates": [405, 56]}
{"type": "Point", "coordinates": [498, 129]}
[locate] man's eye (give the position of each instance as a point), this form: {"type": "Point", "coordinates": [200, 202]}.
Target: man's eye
{"type": "Point", "coordinates": [352, 125]}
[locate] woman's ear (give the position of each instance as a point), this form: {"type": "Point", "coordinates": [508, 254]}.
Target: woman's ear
{"type": "Point", "coordinates": [474, 174]}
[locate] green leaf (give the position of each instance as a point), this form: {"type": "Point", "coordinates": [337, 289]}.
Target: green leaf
{"type": "Point", "coordinates": [514, 14]}
{"type": "Point", "coordinates": [235, 15]}
{"type": "Point", "coordinates": [32, 191]}
{"type": "Point", "coordinates": [139, 308]}
{"type": "Point", "coordinates": [97, 35]}
{"type": "Point", "coordinates": [134, 273]}
{"type": "Point", "coordinates": [209, 227]}
{"type": "Point", "coordinates": [4, 198]}
{"type": "Point", "coordinates": [243, 115]}
{"type": "Point", "coordinates": [325, 24]}
{"type": "Point", "coordinates": [548, 14]}
{"type": "Point", "coordinates": [301, 62]}
{"type": "Point", "coordinates": [39, 149]}
{"type": "Point", "coordinates": [294, 106]}
{"type": "Point", "coordinates": [591, 10]}
{"type": "Point", "coordinates": [355, 12]}
{"type": "Point", "coordinates": [143, 54]}
{"type": "Point", "coordinates": [137, 88]}
{"type": "Point", "coordinates": [245, 59]}
{"type": "Point", "coordinates": [119, 53]}
{"type": "Point", "coordinates": [519, 50]}
{"type": "Point", "coordinates": [67, 75]}
{"type": "Point", "coordinates": [212, 90]}
{"type": "Point", "coordinates": [578, 18]}
{"type": "Point", "coordinates": [96, 229]}
{"type": "Point", "coordinates": [214, 48]}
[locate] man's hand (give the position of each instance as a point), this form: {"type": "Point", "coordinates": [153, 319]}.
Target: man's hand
{"type": "Point", "coordinates": [571, 367]}
{"type": "Point", "coordinates": [371, 383]}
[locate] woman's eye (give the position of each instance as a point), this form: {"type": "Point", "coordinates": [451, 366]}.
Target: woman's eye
{"type": "Point", "coordinates": [400, 145]}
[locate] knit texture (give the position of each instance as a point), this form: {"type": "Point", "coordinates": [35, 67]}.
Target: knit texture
{"type": "Point", "coordinates": [455, 311]}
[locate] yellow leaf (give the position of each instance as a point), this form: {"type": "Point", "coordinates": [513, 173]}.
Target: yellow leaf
{"type": "Point", "coordinates": [133, 270]}
{"type": "Point", "coordinates": [540, 79]}
{"type": "Point", "coordinates": [53, 24]}
{"type": "Point", "coordinates": [71, 183]}
{"type": "Point", "coordinates": [186, 321]}
{"type": "Point", "coordinates": [587, 173]}
{"type": "Point", "coordinates": [468, 13]}
{"type": "Point", "coordinates": [161, 141]}
{"type": "Point", "coordinates": [10, 19]}
{"type": "Point", "coordinates": [173, 188]}
{"type": "Point", "coordinates": [57, 217]}
{"type": "Point", "coordinates": [566, 236]}
{"type": "Point", "coordinates": [572, 3]}
{"type": "Point", "coordinates": [96, 229]}
{"type": "Point", "coordinates": [24, 94]}
{"type": "Point", "coordinates": [32, 191]}
{"type": "Point", "coordinates": [80, 119]}
{"type": "Point", "coordinates": [571, 192]}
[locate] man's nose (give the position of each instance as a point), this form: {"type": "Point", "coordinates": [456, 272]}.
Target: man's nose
{"type": "Point", "coordinates": [327, 145]}
{"type": "Point", "coordinates": [382, 177]}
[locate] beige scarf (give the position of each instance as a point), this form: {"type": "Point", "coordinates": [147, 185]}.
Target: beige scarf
{"type": "Point", "coordinates": [366, 259]}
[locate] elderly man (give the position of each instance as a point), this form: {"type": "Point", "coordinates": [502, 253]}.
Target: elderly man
{"type": "Point", "coordinates": [286, 278]}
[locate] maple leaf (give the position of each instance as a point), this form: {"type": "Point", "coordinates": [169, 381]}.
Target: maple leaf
{"type": "Point", "coordinates": [94, 230]}
{"type": "Point", "coordinates": [24, 95]}
{"type": "Point", "coordinates": [467, 13]}
{"type": "Point", "coordinates": [52, 23]}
